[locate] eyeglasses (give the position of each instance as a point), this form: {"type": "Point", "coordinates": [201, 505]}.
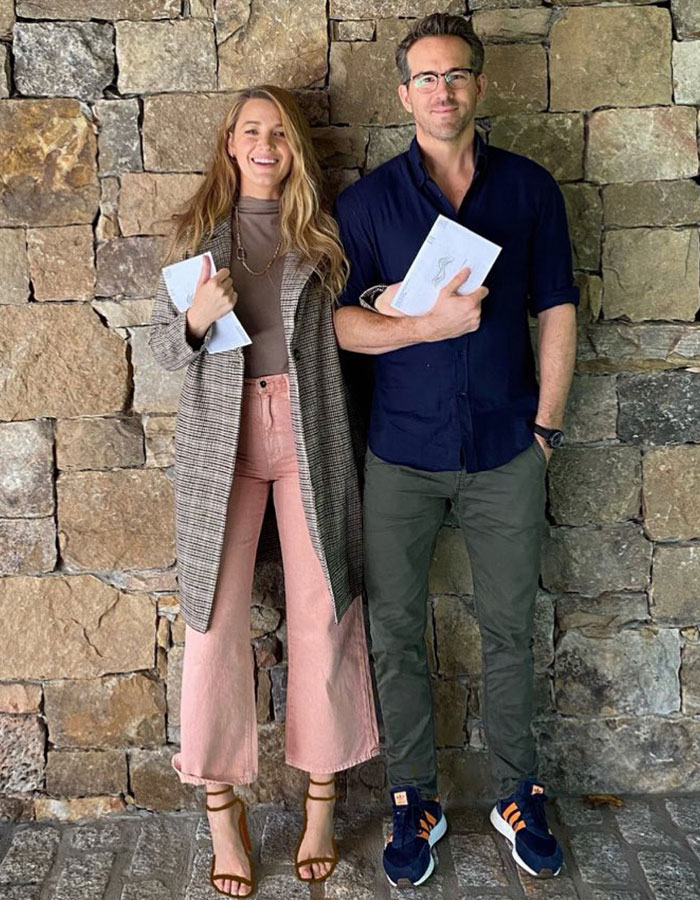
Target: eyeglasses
{"type": "Point", "coordinates": [426, 82]}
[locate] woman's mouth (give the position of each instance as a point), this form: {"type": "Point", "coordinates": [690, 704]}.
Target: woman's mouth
{"type": "Point", "coordinates": [264, 161]}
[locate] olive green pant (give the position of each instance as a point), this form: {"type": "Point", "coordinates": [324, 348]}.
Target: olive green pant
{"type": "Point", "coordinates": [501, 515]}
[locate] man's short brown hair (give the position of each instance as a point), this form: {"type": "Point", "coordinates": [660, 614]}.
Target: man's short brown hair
{"type": "Point", "coordinates": [440, 25]}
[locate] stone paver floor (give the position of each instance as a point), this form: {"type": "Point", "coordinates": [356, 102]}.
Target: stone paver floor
{"type": "Point", "coordinates": [648, 848]}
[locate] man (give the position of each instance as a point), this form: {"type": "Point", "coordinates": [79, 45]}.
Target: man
{"type": "Point", "coordinates": [457, 420]}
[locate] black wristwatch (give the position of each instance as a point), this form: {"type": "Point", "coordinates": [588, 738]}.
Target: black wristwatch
{"type": "Point", "coordinates": [553, 436]}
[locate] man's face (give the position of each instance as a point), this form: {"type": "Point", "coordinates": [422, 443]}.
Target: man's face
{"type": "Point", "coordinates": [446, 112]}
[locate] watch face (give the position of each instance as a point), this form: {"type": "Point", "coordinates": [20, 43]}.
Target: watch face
{"type": "Point", "coordinates": [556, 439]}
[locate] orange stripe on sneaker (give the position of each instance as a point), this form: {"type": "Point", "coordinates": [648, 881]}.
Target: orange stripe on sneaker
{"type": "Point", "coordinates": [431, 819]}
{"type": "Point", "coordinates": [509, 809]}
{"type": "Point", "coordinates": [521, 824]}
{"type": "Point", "coordinates": [514, 818]}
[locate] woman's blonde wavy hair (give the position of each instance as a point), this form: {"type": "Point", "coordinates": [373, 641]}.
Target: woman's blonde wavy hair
{"type": "Point", "coordinates": [304, 225]}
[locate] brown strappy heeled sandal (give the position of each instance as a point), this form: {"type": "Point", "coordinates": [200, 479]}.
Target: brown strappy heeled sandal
{"type": "Point", "coordinates": [245, 838]}
{"type": "Point", "coordinates": [333, 860]}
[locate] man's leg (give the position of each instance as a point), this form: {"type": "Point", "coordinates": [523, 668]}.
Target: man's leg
{"type": "Point", "coordinates": [501, 513]}
{"type": "Point", "coordinates": [403, 510]}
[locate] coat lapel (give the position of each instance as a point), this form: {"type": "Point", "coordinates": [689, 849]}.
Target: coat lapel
{"type": "Point", "coordinates": [219, 244]}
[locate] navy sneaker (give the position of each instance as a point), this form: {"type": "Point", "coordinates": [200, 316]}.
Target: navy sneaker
{"type": "Point", "coordinates": [418, 825]}
{"type": "Point", "coordinates": [521, 819]}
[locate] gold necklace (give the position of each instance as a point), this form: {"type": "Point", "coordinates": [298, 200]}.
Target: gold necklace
{"type": "Point", "coordinates": [240, 249]}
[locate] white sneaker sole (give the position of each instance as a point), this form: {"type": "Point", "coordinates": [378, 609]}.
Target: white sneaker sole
{"type": "Point", "coordinates": [500, 824]}
{"type": "Point", "coordinates": [434, 837]}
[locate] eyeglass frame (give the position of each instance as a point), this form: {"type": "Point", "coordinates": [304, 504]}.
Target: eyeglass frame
{"type": "Point", "coordinates": [443, 75]}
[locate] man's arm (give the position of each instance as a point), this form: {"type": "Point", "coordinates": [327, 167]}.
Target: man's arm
{"type": "Point", "coordinates": [557, 358]}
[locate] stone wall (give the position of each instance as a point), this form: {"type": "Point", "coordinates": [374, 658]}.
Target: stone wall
{"type": "Point", "coordinates": [106, 119]}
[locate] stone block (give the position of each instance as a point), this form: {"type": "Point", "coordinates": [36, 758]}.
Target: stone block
{"type": "Point", "coordinates": [155, 390]}
{"type": "Point", "coordinates": [61, 262]}
{"type": "Point", "coordinates": [590, 289]}
{"type": "Point", "coordinates": [686, 18]}
{"type": "Point", "coordinates": [477, 862]}
{"type": "Point", "coordinates": [382, 9]}
{"type": "Point", "coordinates": [554, 140]}
{"type": "Point", "coordinates": [77, 809]}
{"type": "Point", "coordinates": [7, 18]}
{"type": "Point", "coordinates": [675, 594]}
{"type": "Point", "coordinates": [591, 412]}
{"type": "Point", "coordinates": [166, 56]}
{"type": "Point", "coordinates": [84, 627]}
{"type": "Point", "coordinates": [124, 313]}
{"type": "Point", "coordinates": [4, 72]}
{"type": "Point", "coordinates": [517, 79]}
{"type": "Point", "coordinates": [353, 31]}
{"type": "Point", "coordinates": [665, 870]}
{"type": "Point", "coordinates": [463, 776]}
{"type": "Point", "coordinates": [99, 9]}
{"type": "Point", "coordinates": [604, 616]}
{"type": "Point", "coordinates": [79, 772]}
{"type": "Point", "coordinates": [690, 679]}
{"type": "Point", "coordinates": [457, 637]}
{"type": "Point", "coordinates": [385, 143]}
{"type": "Point", "coordinates": [651, 203]}
{"type": "Point", "coordinates": [617, 346]}
{"type": "Point", "coordinates": [122, 519]}
{"type": "Point", "coordinates": [596, 56]}
{"type": "Point", "coordinates": [671, 489]}
{"type": "Point", "coordinates": [26, 469]}
{"type": "Point", "coordinates": [649, 754]}
{"type": "Point", "coordinates": [14, 265]}
{"type": "Point", "coordinates": [160, 440]}
{"type": "Point", "coordinates": [30, 856]}
{"type": "Point", "coordinates": [99, 443]}
{"type": "Point", "coordinates": [163, 845]}
{"type": "Point", "coordinates": [686, 72]}
{"type": "Point", "coordinates": [341, 147]}
{"type": "Point", "coordinates": [356, 70]}
{"type": "Point", "coordinates": [585, 215]}
{"type": "Point", "coordinates": [16, 697]}
{"type": "Point", "coordinates": [84, 369]}
{"type": "Point", "coordinates": [27, 546]}
{"type": "Point", "coordinates": [63, 59]}
{"type": "Point", "coordinates": [660, 408]}
{"type": "Point", "coordinates": [22, 740]}
{"type": "Point", "coordinates": [176, 657]}
{"type": "Point", "coordinates": [179, 129]}
{"type": "Point", "coordinates": [651, 273]}
{"type": "Point", "coordinates": [632, 673]}
{"type": "Point", "coordinates": [271, 42]}
{"type": "Point", "coordinates": [34, 193]}
{"type": "Point", "coordinates": [129, 267]}
{"type": "Point", "coordinates": [263, 696]}
{"type": "Point", "coordinates": [593, 560]}
{"type": "Point", "coordinates": [154, 783]}
{"type": "Point", "coordinates": [147, 201]}
{"type": "Point", "coordinates": [118, 141]}
{"type": "Point", "coordinates": [450, 705]}
{"type": "Point", "coordinates": [600, 858]}
{"type": "Point", "coordinates": [655, 144]}
{"type": "Point", "coordinates": [512, 26]}
{"type": "Point", "coordinates": [595, 486]}
{"type": "Point", "coordinates": [108, 712]}
{"type": "Point", "coordinates": [450, 569]}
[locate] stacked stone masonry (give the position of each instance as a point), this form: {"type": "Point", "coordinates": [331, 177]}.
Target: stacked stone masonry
{"type": "Point", "coordinates": [107, 113]}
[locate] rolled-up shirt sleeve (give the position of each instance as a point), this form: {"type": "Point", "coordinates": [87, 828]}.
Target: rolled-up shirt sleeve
{"type": "Point", "coordinates": [358, 245]}
{"type": "Point", "coordinates": [551, 272]}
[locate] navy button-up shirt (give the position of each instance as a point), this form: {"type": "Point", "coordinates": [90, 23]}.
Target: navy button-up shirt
{"type": "Point", "coordinates": [467, 402]}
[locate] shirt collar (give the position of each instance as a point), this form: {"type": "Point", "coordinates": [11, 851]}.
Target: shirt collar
{"type": "Point", "coordinates": [418, 166]}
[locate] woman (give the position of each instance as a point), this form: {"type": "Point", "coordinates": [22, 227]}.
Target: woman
{"type": "Point", "coordinates": [270, 416]}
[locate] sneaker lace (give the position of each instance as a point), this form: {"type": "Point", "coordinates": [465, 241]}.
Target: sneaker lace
{"type": "Point", "coordinates": [532, 811]}
{"type": "Point", "coordinates": [405, 824]}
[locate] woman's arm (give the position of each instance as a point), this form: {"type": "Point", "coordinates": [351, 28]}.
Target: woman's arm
{"type": "Point", "coordinates": [168, 337]}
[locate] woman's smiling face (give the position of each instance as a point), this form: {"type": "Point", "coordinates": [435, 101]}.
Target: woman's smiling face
{"type": "Point", "coordinates": [259, 146]}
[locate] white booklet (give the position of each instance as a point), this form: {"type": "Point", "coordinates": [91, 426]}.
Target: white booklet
{"type": "Point", "coordinates": [181, 280]}
{"type": "Point", "coordinates": [448, 248]}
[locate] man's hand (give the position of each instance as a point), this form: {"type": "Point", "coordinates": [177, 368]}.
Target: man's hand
{"type": "Point", "coordinates": [213, 298]}
{"type": "Point", "coordinates": [546, 449]}
{"type": "Point", "coordinates": [453, 314]}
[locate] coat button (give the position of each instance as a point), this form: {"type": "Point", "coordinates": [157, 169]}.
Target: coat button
{"type": "Point", "coordinates": [263, 384]}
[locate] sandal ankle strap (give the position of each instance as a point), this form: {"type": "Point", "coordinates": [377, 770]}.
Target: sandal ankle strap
{"type": "Point", "coordinates": [311, 781]}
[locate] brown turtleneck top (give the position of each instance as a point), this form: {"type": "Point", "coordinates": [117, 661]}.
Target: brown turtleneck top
{"type": "Point", "coordinates": [258, 305]}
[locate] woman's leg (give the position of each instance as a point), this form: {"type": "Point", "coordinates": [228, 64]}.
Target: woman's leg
{"type": "Point", "coordinates": [330, 719]}
{"type": "Point", "coordinates": [218, 721]}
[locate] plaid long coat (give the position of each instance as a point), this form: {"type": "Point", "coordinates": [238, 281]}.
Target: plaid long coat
{"type": "Point", "coordinates": [206, 438]}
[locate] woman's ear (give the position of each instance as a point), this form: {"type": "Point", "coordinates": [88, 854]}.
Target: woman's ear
{"type": "Point", "coordinates": [230, 149]}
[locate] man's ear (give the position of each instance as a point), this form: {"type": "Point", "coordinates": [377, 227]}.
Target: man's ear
{"type": "Point", "coordinates": [403, 97]}
{"type": "Point", "coordinates": [481, 85]}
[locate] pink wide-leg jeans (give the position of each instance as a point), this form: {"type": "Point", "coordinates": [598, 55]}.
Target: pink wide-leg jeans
{"type": "Point", "coordinates": [330, 718]}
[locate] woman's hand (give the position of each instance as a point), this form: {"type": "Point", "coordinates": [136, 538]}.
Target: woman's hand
{"type": "Point", "coordinates": [213, 298]}
{"type": "Point", "coordinates": [383, 302]}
